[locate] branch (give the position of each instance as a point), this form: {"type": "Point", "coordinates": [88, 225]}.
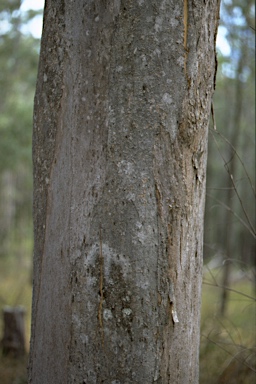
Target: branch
{"type": "Point", "coordinates": [251, 230]}
{"type": "Point", "coordinates": [232, 179]}
{"type": "Point", "coordinates": [239, 158]}
{"type": "Point", "coordinates": [233, 356]}
{"type": "Point", "coordinates": [229, 289]}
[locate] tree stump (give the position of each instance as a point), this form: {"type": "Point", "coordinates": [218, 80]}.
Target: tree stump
{"type": "Point", "coordinates": [13, 342]}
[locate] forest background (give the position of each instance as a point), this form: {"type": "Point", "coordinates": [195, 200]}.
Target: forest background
{"type": "Point", "coordinates": [228, 334]}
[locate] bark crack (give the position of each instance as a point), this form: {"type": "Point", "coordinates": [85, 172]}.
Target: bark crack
{"type": "Point", "coordinates": [100, 314]}
{"type": "Point", "coordinates": [185, 21]}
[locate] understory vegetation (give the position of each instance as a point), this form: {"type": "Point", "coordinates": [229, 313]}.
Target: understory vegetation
{"type": "Point", "coordinates": [227, 352]}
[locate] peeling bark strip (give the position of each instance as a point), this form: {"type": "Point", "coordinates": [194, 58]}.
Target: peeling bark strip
{"type": "Point", "coordinates": [119, 151]}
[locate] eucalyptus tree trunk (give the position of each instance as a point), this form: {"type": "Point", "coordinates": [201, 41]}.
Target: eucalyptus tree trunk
{"type": "Point", "coordinates": [119, 149]}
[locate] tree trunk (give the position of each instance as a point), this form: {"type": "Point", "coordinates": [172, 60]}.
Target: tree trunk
{"type": "Point", "coordinates": [231, 168]}
{"type": "Point", "coordinates": [13, 342]}
{"type": "Point", "coordinates": [119, 149]}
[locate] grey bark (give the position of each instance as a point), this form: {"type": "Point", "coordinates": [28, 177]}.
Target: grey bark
{"type": "Point", "coordinates": [119, 149]}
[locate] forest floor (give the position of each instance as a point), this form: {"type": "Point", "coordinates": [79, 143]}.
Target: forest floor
{"type": "Point", "coordinates": [13, 371]}
{"type": "Point", "coordinates": [228, 344]}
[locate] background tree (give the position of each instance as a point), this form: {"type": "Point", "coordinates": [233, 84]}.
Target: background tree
{"type": "Point", "coordinates": [228, 336]}
{"type": "Point", "coordinates": [230, 208]}
{"type": "Point", "coordinates": [120, 145]}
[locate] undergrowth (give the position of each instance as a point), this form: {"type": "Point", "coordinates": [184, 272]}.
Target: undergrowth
{"type": "Point", "coordinates": [228, 344]}
{"type": "Point", "coordinates": [227, 352]}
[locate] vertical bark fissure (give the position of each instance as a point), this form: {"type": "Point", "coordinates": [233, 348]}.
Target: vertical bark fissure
{"type": "Point", "coordinates": [100, 315]}
{"type": "Point", "coordinates": [185, 21]}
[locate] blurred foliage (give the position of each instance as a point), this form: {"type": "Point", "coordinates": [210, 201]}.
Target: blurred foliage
{"type": "Point", "coordinates": [18, 68]}
{"type": "Point", "coordinates": [228, 338]}
{"type": "Point", "coordinates": [232, 147]}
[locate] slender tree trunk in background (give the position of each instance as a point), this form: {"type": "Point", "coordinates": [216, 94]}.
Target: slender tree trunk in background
{"type": "Point", "coordinates": [13, 341]}
{"type": "Point", "coordinates": [119, 149]}
{"type": "Point", "coordinates": [231, 168]}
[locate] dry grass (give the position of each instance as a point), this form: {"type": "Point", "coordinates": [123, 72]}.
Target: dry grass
{"type": "Point", "coordinates": [228, 345]}
{"type": "Point", "coordinates": [13, 371]}
{"type": "Point", "coordinates": [15, 289]}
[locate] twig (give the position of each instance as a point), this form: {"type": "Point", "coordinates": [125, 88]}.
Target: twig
{"type": "Point", "coordinates": [233, 183]}
{"type": "Point", "coordinates": [234, 357]}
{"type": "Point", "coordinates": [252, 232]}
{"type": "Point", "coordinates": [239, 158]}
{"type": "Point", "coordinates": [231, 337]}
{"type": "Point", "coordinates": [229, 289]}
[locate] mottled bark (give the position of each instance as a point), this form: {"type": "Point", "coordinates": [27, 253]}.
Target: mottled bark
{"type": "Point", "coordinates": [120, 146]}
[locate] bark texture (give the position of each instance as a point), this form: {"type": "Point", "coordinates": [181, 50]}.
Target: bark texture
{"type": "Point", "coordinates": [119, 149]}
